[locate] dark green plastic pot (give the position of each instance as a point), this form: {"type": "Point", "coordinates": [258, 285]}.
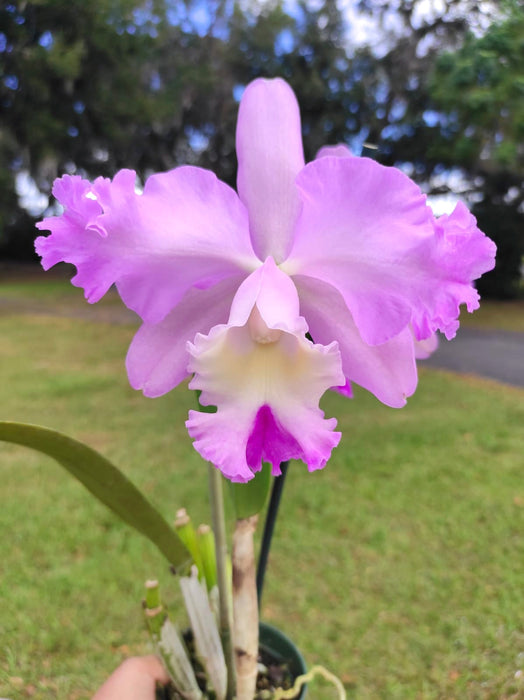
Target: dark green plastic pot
{"type": "Point", "coordinates": [282, 647]}
{"type": "Point", "coordinates": [279, 646]}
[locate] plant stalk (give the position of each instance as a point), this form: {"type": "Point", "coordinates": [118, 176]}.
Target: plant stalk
{"type": "Point", "coordinates": [269, 526]}
{"type": "Point", "coordinates": [216, 498]}
{"type": "Point", "coordinates": [245, 607]}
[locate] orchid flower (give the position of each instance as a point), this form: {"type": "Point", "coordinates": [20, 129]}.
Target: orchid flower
{"type": "Point", "coordinates": [312, 277]}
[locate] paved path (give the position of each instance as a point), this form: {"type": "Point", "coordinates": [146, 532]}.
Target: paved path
{"type": "Point", "coordinates": [494, 354]}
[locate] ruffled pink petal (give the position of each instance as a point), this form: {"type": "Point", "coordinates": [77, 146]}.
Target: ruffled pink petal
{"type": "Point", "coordinates": [270, 155]}
{"type": "Point", "coordinates": [75, 237]}
{"type": "Point", "coordinates": [157, 357]}
{"type": "Point", "coordinates": [266, 396]}
{"type": "Point", "coordinates": [221, 438]}
{"type": "Point", "coordinates": [460, 254]}
{"type": "Point", "coordinates": [186, 230]}
{"type": "Point", "coordinates": [366, 230]}
{"type": "Point", "coordinates": [387, 370]}
{"type": "Point", "coordinates": [359, 230]}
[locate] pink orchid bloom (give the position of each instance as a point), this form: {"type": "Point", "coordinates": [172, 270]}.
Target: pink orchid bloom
{"type": "Point", "coordinates": [228, 285]}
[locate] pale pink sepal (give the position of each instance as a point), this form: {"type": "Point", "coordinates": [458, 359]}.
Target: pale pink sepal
{"type": "Point", "coordinates": [157, 357]}
{"type": "Point", "coordinates": [270, 155]}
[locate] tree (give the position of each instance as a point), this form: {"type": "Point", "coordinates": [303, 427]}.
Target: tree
{"type": "Point", "coordinates": [445, 96]}
{"type": "Point", "coordinates": [93, 87]}
{"type": "Point", "coordinates": [150, 84]}
{"type": "Point", "coordinates": [480, 88]}
{"type": "Point", "coordinates": [309, 50]}
{"type": "Point", "coordinates": [480, 91]}
{"type": "Point", "coordinates": [74, 93]}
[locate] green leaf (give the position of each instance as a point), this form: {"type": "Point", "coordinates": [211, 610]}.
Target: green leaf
{"type": "Point", "coordinates": [104, 481]}
{"type": "Point", "coordinates": [250, 498]}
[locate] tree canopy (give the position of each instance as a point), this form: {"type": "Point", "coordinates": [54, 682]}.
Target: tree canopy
{"type": "Point", "coordinates": [479, 90]}
{"type": "Point", "coordinates": [150, 84]}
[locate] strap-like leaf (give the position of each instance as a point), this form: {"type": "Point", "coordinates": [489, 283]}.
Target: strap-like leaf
{"type": "Point", "coordinates": [104, 481]}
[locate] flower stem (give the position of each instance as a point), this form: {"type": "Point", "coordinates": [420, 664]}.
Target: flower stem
{"type": "Point", "coordinates": [219, 529]}
{"type": "Point", "coordinates": [245, 607]}
{"type": "Point", "coordinates": [269, 526]}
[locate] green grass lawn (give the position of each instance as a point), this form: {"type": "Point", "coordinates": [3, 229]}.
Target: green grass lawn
{"type": "Point", "coordinates": [31, 286]}
{"type": "Point", "coordinates": [400, 566]}
{"type": "Point", "coordinates": [497, 315]}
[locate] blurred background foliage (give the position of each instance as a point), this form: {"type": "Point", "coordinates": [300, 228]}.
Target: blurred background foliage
{"type": "Point", "coordinates": [436, 88]}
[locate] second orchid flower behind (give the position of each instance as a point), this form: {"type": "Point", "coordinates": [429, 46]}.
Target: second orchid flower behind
{"type": "Point", "coordinates": [231, 287]}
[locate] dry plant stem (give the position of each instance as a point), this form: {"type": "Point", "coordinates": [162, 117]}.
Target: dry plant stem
{"type": "Point", "coordinates": [245, 607]}
{"type": "Point", "coordinates": [226, 616]}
